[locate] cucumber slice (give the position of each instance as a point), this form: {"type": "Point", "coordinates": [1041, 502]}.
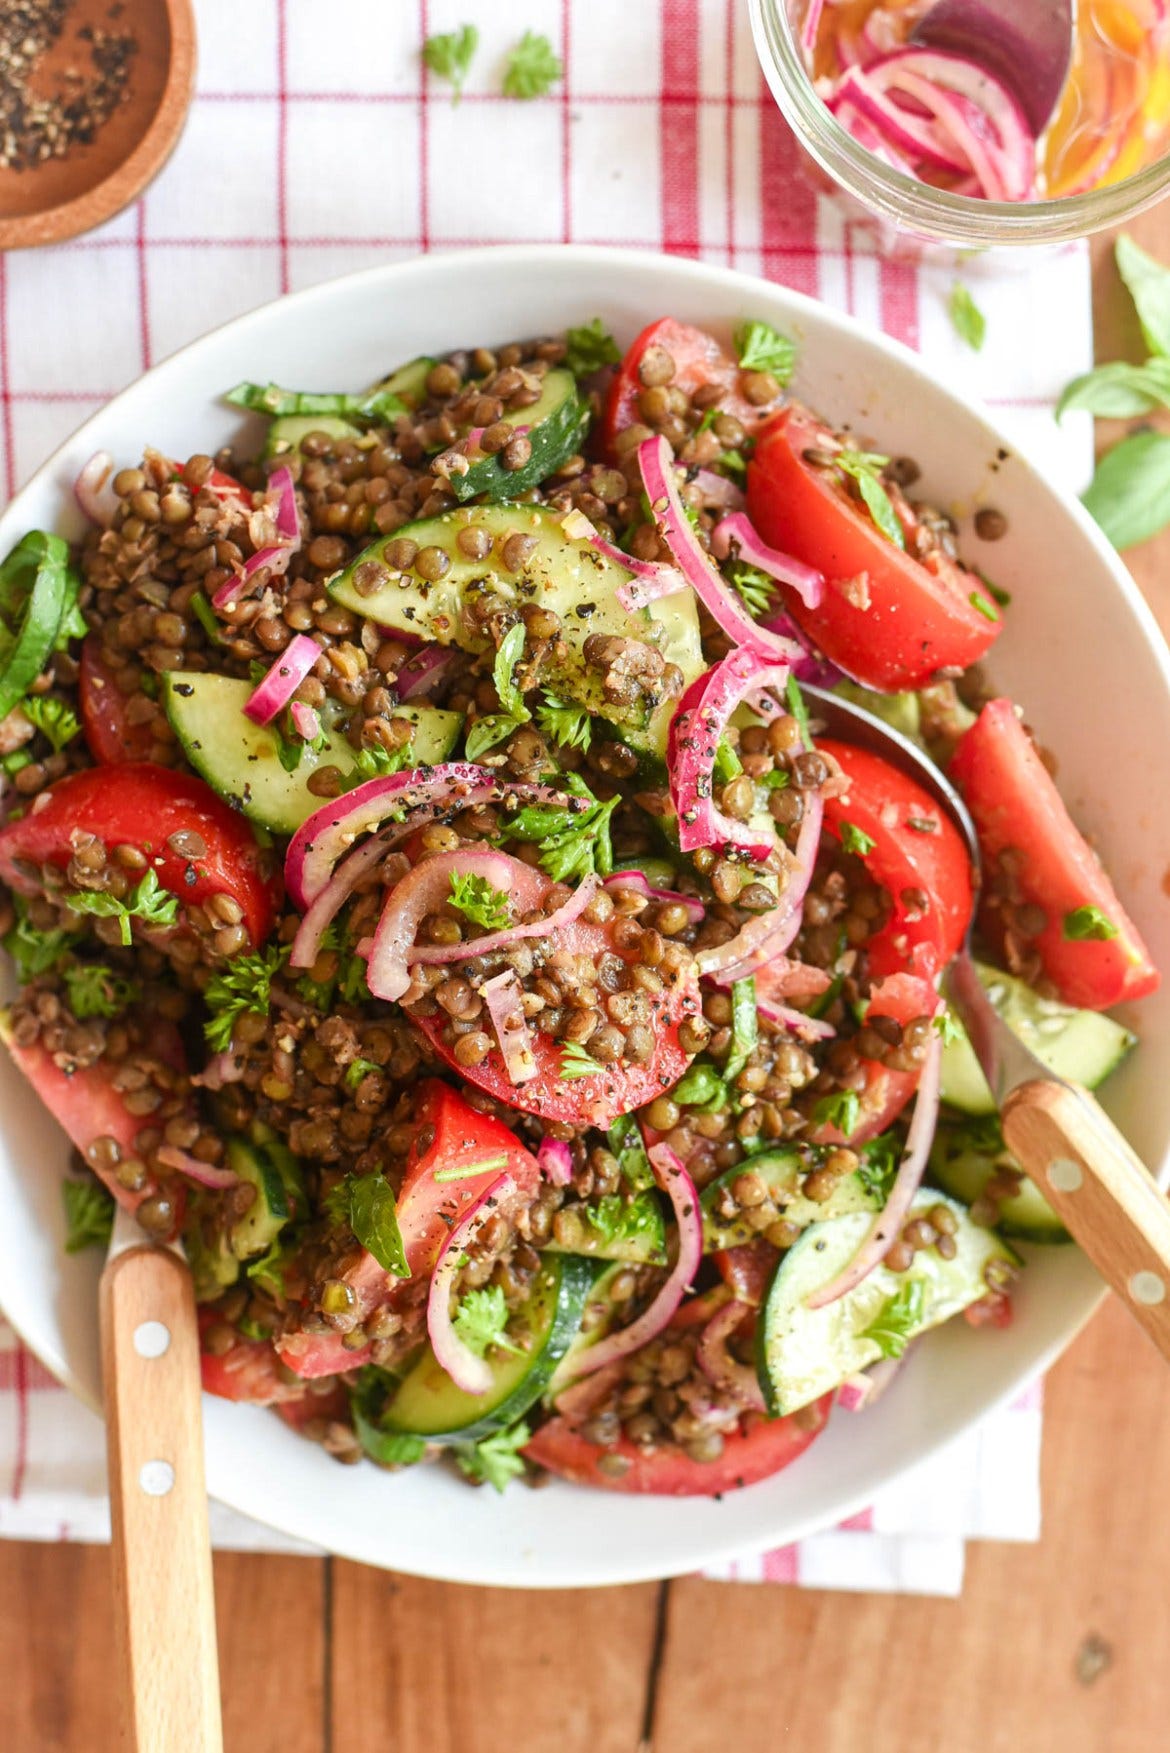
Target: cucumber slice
{"type": "Point", "coordinates": [848, 1196]}
{"type": "Point", "coordinates": [287, 430]}
{"type": "Point", "coordinates": [427, 1403]}
{"type": "Point", "coordinates": [255, 1232]}
{"type": "Point", "coordinates": [901, 712]}
{"type": "Point", "coordinates": [214, 1267]}
{"type": "Point", "coordinates": [409, 382]}
{"type": "Point", "coordinates": [962, 1168]}
{"type": "Point", "coordinates": [613, 1228]}
{"type": "Point", "coordinates": [803, 1352]}
{"type": "Point", "coordinates": [563, 574]}
{"type": "Point", "coordinates": [782, 1170]}
{"type": "Point", "coordinates": [239, 759]}
{"type": "Point", "coordinates": [601, 1314]}
{"type": "Point", "coordinates": [554, 426]}
{"type": "Point", "coordinates": [1082, 1045]}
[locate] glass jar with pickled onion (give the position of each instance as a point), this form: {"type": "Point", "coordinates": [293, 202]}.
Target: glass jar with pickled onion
{"type": "Point", "coordinates": [978, 122]}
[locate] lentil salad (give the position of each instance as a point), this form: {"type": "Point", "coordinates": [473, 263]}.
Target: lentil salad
{"type": "Point", "coordinates": [509, 1128]}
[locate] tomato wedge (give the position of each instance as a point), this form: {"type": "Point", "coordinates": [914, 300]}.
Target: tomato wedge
{"type": "Point", "coordinates": [1016, 807]}
{"type": "Point", "coordinates": [699, 361]}
{"type": "Point", "coordinates": [747, 1269]}
{"type": "Point", "coordinates": [109, 735]}
{"type": "Point", "coordinates": [887, 1091]}
{"type": "Point", "coordinates": [887, 619]}
{"type": "Point", "coordinates": [441, 1181]}
{"type": "Point", "coordinates": [249, 1371]}
{"type": "Point", "coordinates": [142, 805]}
{"type": "Point", "coordinates": [761, 1447]}
{"type": "Point", "coordinates": [85, 1103]}
{"type": "Point", "coordinates": [915, 851]}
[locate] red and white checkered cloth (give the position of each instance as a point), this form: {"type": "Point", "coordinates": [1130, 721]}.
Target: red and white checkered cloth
{"type": "Point", "coordinates": [316, 145]}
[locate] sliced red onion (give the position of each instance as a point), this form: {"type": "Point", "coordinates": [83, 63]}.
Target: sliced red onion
{"type": "Point", "coordinates": [556, 1161]}
{"type": "Point", "coordinates": [471, 1373]}
{"type": "Point", "coordinates": [637, 880]}
{"type": "Point", "coordinates": [716, 1362]}
{"type": "Point", "coordinates": [282, 488]}
{"type": "Point", "coordinates": [419, 794]}
{"type": "Point", "coordinates": [810, 667]}
{"type": "Point", "coordinates": [810, 25]}
{"type": "Point", "coordinates": [699, 722]}
{"type": "Point", "coordinates": [676, 1183]}
{"type": "Point", "coordinates": [502, 1000]}
{"type": "Point", "coordinates": [306, 720]}
{"type": "Point", "coordinates": [424, 890]}
{"type": "Point", "coordinates": [281, 497]}
{"type": "Point", "coordinates": [797, 1022]}
{"type": "Point", "coordinates": [220, 1070]}
{"type": "Point", "coordinates": [206, 1174]}
{"type": "Point", "coordinates": [738, 532]}
{"type": "Point", "coordinates": [907, 1181]}
{"type": "Point", "coordinates": [864, 132]}
{"type": "Point", "coordinates": [769, 934]}
{"type": "Point", "coordinates": [273, 693]}
{"type": "Point", "coordinates": [94, 489]}
{"type": "Point", "coordinates": [422, 672]}
{"type": "Point", "coordinates": [656, 462]}
{"type": "Point", "coordinates": [853, 1393]}
{"type": "Point", "coordinates": [328, 903]}
{"type": "Point", "coordinates": [719, 489]}
{"type": "Point", "coordinates": [867, 1388]}
{"type": "Point", "coordinates": [651, 579]}
{"type": "Point", "coordinates": [918, 137]}
{"type": "Point", "coordinates": [586, 1393]}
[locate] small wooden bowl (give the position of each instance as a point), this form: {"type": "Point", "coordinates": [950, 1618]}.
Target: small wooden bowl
{"type": "Point", "coordinates": [66, 196]}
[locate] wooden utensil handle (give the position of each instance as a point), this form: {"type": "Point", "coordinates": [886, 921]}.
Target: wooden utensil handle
{"type": "Point", "coordinates": [1103, 1193]}
{"type": "Point", "coordinates": [164, 1600]}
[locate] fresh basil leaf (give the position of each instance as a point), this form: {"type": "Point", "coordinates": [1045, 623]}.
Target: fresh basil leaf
{"type": "Point", "coordinates": [625, 1141]}
{"type": "Point", "coordinates": [485, 733]}
{"type": "Point", "coordinates": [1129, 496]}
{"type": "Point", "coordinates": [968, 320]}
{"type": "Point", "coordinates": [1119, 391]}
{"type": "Point", "coordinates": [745, 1028]}
{"type": "Point", "coordinates": [1149, 286]}
{"type": "Point", "coordinates": [373, 1218]}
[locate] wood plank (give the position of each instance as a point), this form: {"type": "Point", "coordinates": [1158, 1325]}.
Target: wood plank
{"type": "Point", "coordinates": [423, 1667]}
{"type": "Point", "coordinates": [1055, 1645]}
{"type": "Point", "coordinates": [56, 1631]}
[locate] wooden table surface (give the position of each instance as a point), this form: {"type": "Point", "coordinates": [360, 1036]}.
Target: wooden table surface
{"type": "Point", "coordinates": [1055, 1646]}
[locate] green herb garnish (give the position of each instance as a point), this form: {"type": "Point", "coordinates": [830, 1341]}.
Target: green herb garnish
{"type": "Point", "coordinates": [855, 840]}
{"type": "Point", "coordinates": [448, 55]}
{"type": "Point", "coordinates": [762, 348]}
{"type": "Point", "coordinates": [899, 1318]}
{"type": "Point", "coordinates": [576, 1062]}
{"type": "Point", "coordinates": [89, 1215]}
{"type": "Point", "coordinates": [1088, 925]}
{"type": "Point", "coordinates": [477, 900]}
{"type": "Point", "coordinates": [969, 322]}
{"type": "Point", "coordinates": [864, 467]}
{"type": "Point", "coordinates": [481, 1319]}
{"type": "Point", "coordinates": [754, 586]}
{"type": "Point", "coordinates": [574, 842]}
{"type": "Point", "coordinates": [373, 1218]}
{"type": "Point", "coordinates": [147, 901]}
{"type": "Point", "coordinates": [532, 68]}
{"type": "Point", "coordinates": [842, 1109]}
{"type": "Point", "coordinates": [495, 1459]}
{"type": "Point", "coordinates": [564, 722]}
{"type": "Point", "coordinates": [745, 1028]}
{"type": "Point", "coordinates": [589, 347]}
{"type": "Point", "coordinates": [94, 990]}
{"type": "Point", "coordinates": [52, 718]}
{"type": "Point", "coordinates": [245, 984]}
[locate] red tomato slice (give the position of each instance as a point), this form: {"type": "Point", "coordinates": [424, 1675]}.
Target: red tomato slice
{"type": "Point", "coordinates": [452, 1138]}
{"type": "Point", "coordinates": [596, 1100]}
{"type": "Point", "coordinates": [916, 846]}
{"type": "Point", "coordinates": [699, 360]}
{"type": "Point", "coordinates": [297, 1413]}
{"type": "Point", "coordinates": [1015, 804]}
{"type": "Point", "coordinates": [249, 1371]}
{"type": "Point", "coordinates": [919, 616]}
{"type": "Point", "coordinates": [903, 997]}
{"type": "Point", "coordinates": [139, 804]}
{"type": "Point", "coordinates": [747, 1269]}
{"type": "Point", "coordinates": [761, 1447]}
{"type": "Point", "coordinates": [224, 486]}
{"type": "Point", "coordinates": [110, 736]}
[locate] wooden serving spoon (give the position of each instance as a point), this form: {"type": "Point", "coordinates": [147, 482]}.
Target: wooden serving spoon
{"type": "Point", "coordinates": [1059, 1134]}
{"type": "Point", "coordinates": [164, 1596]}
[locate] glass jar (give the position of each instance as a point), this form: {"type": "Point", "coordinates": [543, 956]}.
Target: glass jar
{"type": "Point", "coordinates": [903, 205]}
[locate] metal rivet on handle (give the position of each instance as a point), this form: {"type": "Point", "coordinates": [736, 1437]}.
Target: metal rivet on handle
{"type": "Point", "coordinates": [1148, 1288]}
{"type": "Point", "coordinates": [151, 1339]}
{"type": "Point", "coordinates": [156, 1478]}
{"type": "Point", "coordinates": [1065, 1175]}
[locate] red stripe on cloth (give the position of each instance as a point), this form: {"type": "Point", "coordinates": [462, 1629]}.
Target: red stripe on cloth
{"type": "Point", "coordinates": [898, 291]}
{"type": "Point", "coordinates": [861, 1523]}
{"type": "Point", "coordinates": [783, 1565]}
{"type": "Point", "coordinates": [143, 287]}
{"type": "Point", "coordinates": [282, 139]}
{"type": "Point", "coordinates": [788, 206]}
{"type": "Point", "coordinates": [679, 130]}
{"type": "Point", "coordinates": [729, 127]}
{"type": "Point", "coordinates": [566, 124]}
{"type": "Point", "coordinates": [6, 386]}
{"type": "Point", "coordinates": [424, 136]}
{"type": "Point", "coordinates": [18, 1365]}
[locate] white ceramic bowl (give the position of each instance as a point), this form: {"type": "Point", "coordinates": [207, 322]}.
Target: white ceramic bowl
{"type": "Point", "coordinates": [1081, 651]}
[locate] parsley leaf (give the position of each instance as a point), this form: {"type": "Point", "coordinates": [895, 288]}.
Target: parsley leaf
{"type": "Point", "coordinates": [626, 1142]}
{"type": "Point", "coordinates": [745, 1027]}
{"type": "Point", "coordinates": [89, 1215]}
{"type": "Point", "coordinates": [503, 673]}
{"type": "Point", "coordinates": [576, 1062]}
{"type": "Point", "coordinates": [244, 984]}
{"type": "Point", "coordinates": [878, 1165]}
{"type": "Point", "coordinates": [589, 347]}
{"type": "Point", "coordinates": [798, 709]}
{"type": "Point", "coordinates": [574, 843]}
{"type": "Point", "coordinates": [477, 900]}
{"type": "Point", "coordinates": [495, 1459]}
{"type": "Point", "coordinates": [94, 990]}
{"type": "Point", "coordinates": [485, 733]}
{"type": "Point", "coordinates": [614, 1221]}
{"type": "Point", "coordinates": [52, 718]}
{"type": "Point", "coordinates": [532, 67]}
{"type": "Point", "coordinates": [448, 55]}
{"type": "Point", "coordinates": [754, 586]}
{"type": "Point", "coordinates": [701, 1087]}
{"type": "Point", "coordinates": [947, 1024]}
{"type": "Point", "coordinates": [373, 1218]}
{"type": "Point", "coordinates": [854, 840]}
{"type": "Point", "coordinates": [147, 900]}
{"type": "Point", "coordinates": [762, 348]}
{"type": "Point", "coordinates": [564, 722]}
{"type": "Point", "coordinates": [357, 1070]}
{"type": "Point", "coordinates": [727, 764]}
{"type": "Point", "coordinates": [33, 951]}
{"type": "Point", "coordinates": [1088, 925]}
{"type": "Point", "coordinates": [374, 763]}
{"type": "Point", "coordinates": [898, 1319]}
{"type": "Point", "coordinates": [842, 1109]}
{"type": "Point", "coordinates": [865, 468]}
{"type": "Point", "coordinates": [969, 322]}
{"type": "Point", "coordinates": [480, 1321]}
